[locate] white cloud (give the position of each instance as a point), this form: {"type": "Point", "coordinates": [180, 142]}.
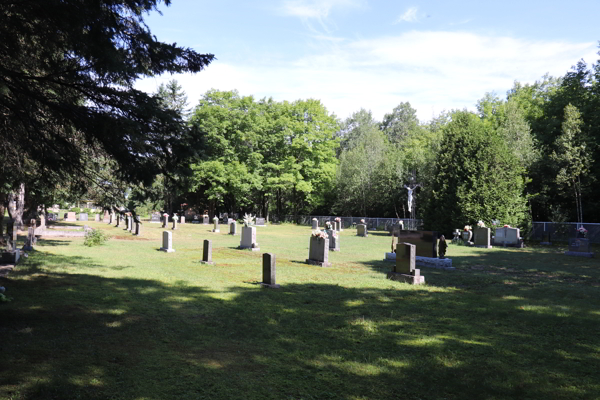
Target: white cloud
{"type": "Point", "coordinates": [410, 15]}
{"type": "Point", "coordinates": [432, 70]}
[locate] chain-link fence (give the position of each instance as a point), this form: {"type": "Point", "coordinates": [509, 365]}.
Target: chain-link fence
{"type": "Point", "coordinates": [562, 231]}
{"type": "Point", "coordinates": [379, 224]}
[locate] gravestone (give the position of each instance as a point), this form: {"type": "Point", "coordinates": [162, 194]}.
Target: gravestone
{"type": "Point", "coordinates": [508, 237]}
{"type": "Point", "coordinates": [467, 236]}
{"type": "Point", "coordinates": [118, 221]}
{"type": "Point", "coordinates": [579, 247]}
{"type": "Point", "coordinates": [216, 224]}
{"type": "Point", "coordinates": [483, 238]}
{"type": "Point", "coordinates": [29, 242]}
{"type": "Point", "coordinates": [97, 217]}
{"type": "Point", "coordinates": [138, 229]}
{"type": "Point", "coordinates": [315, 224]}
{"type": "Point", "coordinates": [249, 238]}
{"type": "Point", "coordinates": [233, 228]}
{"type": "Point", "coordinates": [155, 218]}
{"type": "Point", "coordinates": [71, 217]}
{"type": "Point", "coordinates": [546, 240]}
{"type": "Point", "coordinates": [318, 253]}
{"type": "Point", "coordinates": [205, 219]}
{"type": "Point", "coordinates": [405, 270]}
{"type": "Point", "coordinates": [269, 271]}
{"type": "Point", "coordinates": [42, 221]}
{"type": "Point", "coordinates": [165, 220]}
{"type": "Point", "coordinates": [182, 220]}
{"type": "Point", "coordinates": [207, 253]}
{"type": "Point", "coordinates": [334, 240]}
{"type": "Point", "coordinates": [106, 217]}
{"type": "Point", "coordinates": [425, 241]}
{"type": "Point", "coordinates": [260, 222]}
{"type": "Point", "coordinates": [126, 223]}
{"type": "Point", "coordinates": [111, 218]}
{"type": "Point", "coordinates": [130, 225]}
{"type": "Point", "coordinates": [167, 245]}
{"type": "Point", "coordinates": [361, 230]}
{"type": "Point", "coordinates": [83, 216]}
{"type": "Point", "coordinates": [174, 224]}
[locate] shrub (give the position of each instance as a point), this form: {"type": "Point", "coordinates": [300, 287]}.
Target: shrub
{"type": "Point", "coordinates": [87, 210]}
{"type": "Point", "coordinates": [95, 237]}
{"type": "Point", "coordinates": [76, 210]}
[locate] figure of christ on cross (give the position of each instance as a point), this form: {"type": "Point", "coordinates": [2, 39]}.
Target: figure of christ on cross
{"type": "Point", "coordinates": [410, 189]}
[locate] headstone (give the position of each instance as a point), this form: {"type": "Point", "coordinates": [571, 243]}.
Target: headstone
{"type": "Point", "coordinates": [269, 271]}
{"type": "Point", "coordinates": [315, 224]}
{"type": "Point", "coordinates": [97, 217]}
{"type": "Point", "coordinates": [83, 216]}
{"type": "Point", "coordinates": [118, 220]}
{"type": "Point", "coordinates": [182, 220]}
{"type": "Point", "coordinates": [126, 223]}
{"type": "Point", "coordinates": [508, 237]}
{"type": "Point", "coordinates": [42, 221]}
{"type": "Point", "coordinates": [334, 240]}
{"type": "Point", "coordinates": [318, 253]}
{"type": "Point", "coordinates": [425, 241]}
{"type": "Point", "coordinates": [546, 239]}
{"type": "Point", "coordinates": [155, 218]}
{"type": "Point", "coordinates": [467, 236]}
{"type": "Point", "coordinates": [405, 270]}
{"type": "Point", "coordinates": [216, 223]}
{"type": "Point", "coordinates": [71, 217]}
{"type": "Point", "coordinates": [205, 219]}
{"type": "Point", "coordinates": [30, 239]}
{"type": "Point", "coordinates": [207, 253]}
{"type": "Point", "coordinates": [233, 228]}
{"type": "Point", "coordinates": [174, 224]}
{"type": "Point", "coordinates": [167, 242]}
{"type": "Point", "coordinates": [138, 229]}
{"type": "Point", "coordinates": [260, 222]}
{"type": "Point", "coordinates": [12, 235]}
{"type": "Point", "coordinates": [579, 247]}
{"type": "Point", "coordinates": [483, 237]}
{"type": "Point", "coordinates": [131, 228]}
{"type": "Point", "coordinates": [165, 220]}
{"type": "Point", "coordinates": [111, 218]}
{"type": "Point", "coordinates": [361, 230]}
{"type": "Point", "coordinates": [106, 217]}
{"type": "Point", "coordinates": [249, 238]}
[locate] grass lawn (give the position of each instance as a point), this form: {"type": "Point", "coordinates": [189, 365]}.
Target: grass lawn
{"type": "Point", "coordinates": [126, 321]}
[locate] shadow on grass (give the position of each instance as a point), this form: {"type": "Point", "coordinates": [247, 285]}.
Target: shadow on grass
{"type": "Point", "coordinates": [52, 242]}
{"type": "Point", "coordinates": [84, 336]}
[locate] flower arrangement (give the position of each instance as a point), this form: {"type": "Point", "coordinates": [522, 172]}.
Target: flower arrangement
{"type": "Point", "coordinates": [507, 226]}
{"type": "Point", "coordinates": [314, 219]}
{"type": "Point", "coordinates": [362, 221]}
{"type": "Point", "coordinates": [327, 225]}
{"type": "Point", "coordinates": [481, 224]}
{"type": "Point", "coordinates": [319, 234]}
{"type": "Point", "coordinates": [338, 219]}
{"type": "Point", "coordinates": [582, 230]}
{"type": "Point", "coordinates": [175, 217]}
{"type": "Point", "coordinates": [248, 218]}
{"type": "Point", "coordinates": [467, 228]}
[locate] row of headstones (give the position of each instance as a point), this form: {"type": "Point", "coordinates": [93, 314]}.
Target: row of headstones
{"type": "Point", "coordinates": [482, 237]}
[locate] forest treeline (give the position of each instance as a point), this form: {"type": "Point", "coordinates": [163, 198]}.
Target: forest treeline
{"type": "Point", "coordinates": [532, 155]}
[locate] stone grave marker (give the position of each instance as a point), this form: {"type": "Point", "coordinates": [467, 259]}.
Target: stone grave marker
{"type": "Point", "coordinates": [29, 242]}
{"type": "Point", "coordinates": [138, 229]}
{"type": "Point", "coordinates": [207, 253]}
{"type": "Point", "coordinates": [71, 217]}
{"type": "Point", "coordinates": [334, 240]}
{"type": "Point", "coordinates": [165, 220]}
{"type": "Point", "coordinates": [405, 270]}
{"type": "Point", "coordinates": [155, 218]}
{"type": "Point", "coordinates": [425, 241]}
{"type": "Point", "coordinates": [268, 261]}
{"type": "Point", "coordinates": [508, 237]}
{"type": "Point", "coordinates": [216, 224]}
{"type": "Point", "coordinates": [106, 217]}
{"type": "Point", "coordinates": [182, 220]}
{"type": "Point", "coordinates": [96, 217]}
{"type": "Point", "coordinates": [83, 216]}
{"type": "Point", "coordinates": [579, 247]}
{"type": "Point", "coordinates": [111, 218]}
{"type": "Point", "coordinates": [483, 237]}
{"type": "Point", "coordinates": [361, 230]}
{"type": "Point", "coordinates": [315, 224]}
{"type": "Point", "coordinates": [205, 219]}
{"type": "Point", "coordinates": [174, 223]}
{"type": "Point", "coordinates": [233, 227]}
{"type": "Point", "coordinates": [118, 221]}
{"type": "Point", "coordinates": [167, 241]}
{"type": "Point", "coordinates": [249, 238]}
{"type": "Point", "coordinates": [260, 222]}
{"type": "Point", "coordinates": [318, 253]}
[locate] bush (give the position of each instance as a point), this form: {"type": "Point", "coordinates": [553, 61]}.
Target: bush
{"type": "Point", "coordinates": [95, 237]}
{"type": "Point", "coordinates": [86, 210]}
{"type": "Point", "coordinates": [76, 210]}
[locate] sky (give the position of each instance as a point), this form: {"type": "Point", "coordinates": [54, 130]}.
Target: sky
{"type": "Point", "coordinates": [372, 54]}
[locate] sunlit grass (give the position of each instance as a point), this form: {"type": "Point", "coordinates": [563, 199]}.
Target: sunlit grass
{"type": "Point", "coordinates": [127, 321]}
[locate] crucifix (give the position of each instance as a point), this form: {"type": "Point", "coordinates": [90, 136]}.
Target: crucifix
{"type": "Point", "coordinates": [410, 189]}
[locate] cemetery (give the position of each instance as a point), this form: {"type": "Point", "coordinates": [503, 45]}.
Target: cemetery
{"type": "Point", "coordinates": [138, 304]}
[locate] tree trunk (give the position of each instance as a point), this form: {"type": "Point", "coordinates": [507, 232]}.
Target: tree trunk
{"type": "Point", "coordinates": [2, 210]}
{"type": "Point", "coordinates": [279, 203]}
{"type": "Point", "coordinates": [16, 203]}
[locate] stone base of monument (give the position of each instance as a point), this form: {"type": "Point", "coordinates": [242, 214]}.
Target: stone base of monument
{"type": "Point", "coordinates": [267, 285]}
{"type": "Point", "coordinates": [208, 262]}
{"type": "Point", "coordinates": [483, 247]}
{"type": "Point", "coordinates": [216, 230]}
{"type": "Point", "coordinates": [427, 262]}
{"type": "Point", "coordinates": [546, 243]}
{"type": "Point", "coordinates": [10, 257]}
{"type": "Point", "coordinates": [252, 248]}
{"type": "Point", "coordinates": [167, 250]}
{"type": "Point", "coordinates": [580, 254]}
{"type": "Point", "coordinates": [319, 263]}
{"type": "Point", "coordinates": [411, 279]}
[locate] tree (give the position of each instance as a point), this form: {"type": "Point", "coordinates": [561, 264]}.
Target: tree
{"type": "Point", "coordinates": [400, 122]}
{"type": "Point", "coordinates": [571, 156]}
{"type": "Point", "coordinates": [67, 70]}
{"type": "Point", "coordinates": [476, 178]}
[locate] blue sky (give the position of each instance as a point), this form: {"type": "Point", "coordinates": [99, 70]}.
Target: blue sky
{"type": "Point", "coordinates": [353, 54]}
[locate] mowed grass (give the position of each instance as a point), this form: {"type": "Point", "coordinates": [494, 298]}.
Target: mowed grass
{"type": "Point", "coordinates": [127, 321]}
